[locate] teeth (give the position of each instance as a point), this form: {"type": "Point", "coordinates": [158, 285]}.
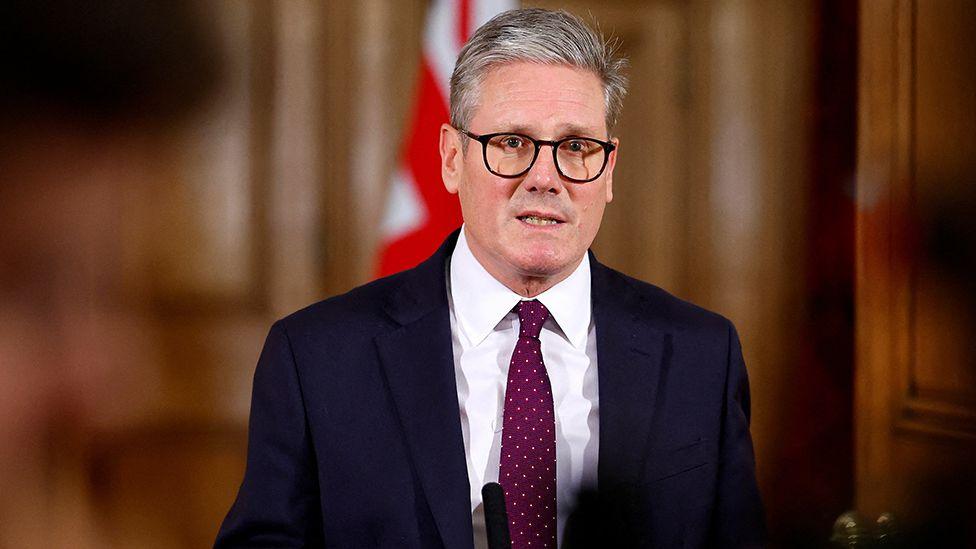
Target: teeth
{"type": "Point", "coordinates": [533, 220]}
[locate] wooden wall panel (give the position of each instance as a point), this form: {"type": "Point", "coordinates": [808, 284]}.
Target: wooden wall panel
{"type": "Point", "coordinates": [941, 377]}
{"type": "Point", "coordinates": [231, 237]}
{"type": "Point", "coordinates": [198, 236]}
{"type": "Point", "coordinates": [915, 378]}
{"type": "Point", "coordinates": [386, 56]}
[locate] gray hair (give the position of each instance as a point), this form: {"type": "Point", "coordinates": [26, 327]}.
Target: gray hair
{"type": "Point", "coordinates": [537, 36]}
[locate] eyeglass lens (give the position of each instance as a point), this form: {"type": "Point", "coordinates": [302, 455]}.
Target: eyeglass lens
{"type": "Point", "coordinates": [579, 158]}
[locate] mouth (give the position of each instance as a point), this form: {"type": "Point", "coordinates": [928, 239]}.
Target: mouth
{"type": "Point", "coordinates": [539, 219]}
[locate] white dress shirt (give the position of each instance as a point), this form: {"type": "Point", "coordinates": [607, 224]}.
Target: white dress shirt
{"type": "Point", "coordinates": [484, 332]}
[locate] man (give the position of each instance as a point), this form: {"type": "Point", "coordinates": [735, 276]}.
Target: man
{"type": "Point", "coordinates": [612, 413]}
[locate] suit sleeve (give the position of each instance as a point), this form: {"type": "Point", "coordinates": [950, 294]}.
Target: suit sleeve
{"type": "Point", "coordinates": [278, 501]}
{"type": "Point", "coordinates": [739, 519]}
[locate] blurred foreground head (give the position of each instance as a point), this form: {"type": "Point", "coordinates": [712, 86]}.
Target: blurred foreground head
{"type": "Point", "coordinates": [89, 92]}
{"type": "Point", "coordinates": [106, 64]}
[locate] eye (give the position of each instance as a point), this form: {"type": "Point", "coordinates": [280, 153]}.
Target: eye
{"type": "Point", "coordinates": [576, 146]}
{"type": "Point", "coordinates": [513, 141]}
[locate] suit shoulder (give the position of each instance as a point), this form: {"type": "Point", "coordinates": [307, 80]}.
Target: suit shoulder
{"type": "Point", "coordinates": [672, 311]}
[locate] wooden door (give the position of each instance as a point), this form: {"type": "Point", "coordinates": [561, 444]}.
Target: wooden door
{"type": "Point", "coordinates": [916, 184]}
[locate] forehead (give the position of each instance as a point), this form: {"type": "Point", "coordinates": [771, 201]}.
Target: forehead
{"type": "Point", "coordinates": [540, 98]}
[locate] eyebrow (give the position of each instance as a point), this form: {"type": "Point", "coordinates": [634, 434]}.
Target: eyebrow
{"type": "Point", "coordinates": [564, 130]}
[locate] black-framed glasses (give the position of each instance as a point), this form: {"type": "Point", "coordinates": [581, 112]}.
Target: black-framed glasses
{"type": "Point", "coordinates": [578, 159]}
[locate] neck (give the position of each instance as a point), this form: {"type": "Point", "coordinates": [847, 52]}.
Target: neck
{"type": "Point", "coordinates": [527, 285]}
{"type": "Point", "coordinates": [531, 286]}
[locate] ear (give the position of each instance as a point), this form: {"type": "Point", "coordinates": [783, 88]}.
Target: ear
{"type": "Point", "coordinates": [452, 158]}
{"type": "Point", "coordinates": [608, 172]}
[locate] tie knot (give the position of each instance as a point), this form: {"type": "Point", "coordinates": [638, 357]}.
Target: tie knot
{"type": "Point", "coordinates": [532, 314]}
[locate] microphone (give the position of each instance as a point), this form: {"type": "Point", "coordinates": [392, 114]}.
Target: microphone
{"type": "Point", "coordinates": [496, 518]}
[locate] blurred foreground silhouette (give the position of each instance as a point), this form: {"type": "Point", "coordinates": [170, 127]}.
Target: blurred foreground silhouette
{"type": "Point", "coordinates": [89, 93]}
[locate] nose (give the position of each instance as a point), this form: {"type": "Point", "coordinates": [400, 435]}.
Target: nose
{"type": "Point", "coordinates": [543, 176]}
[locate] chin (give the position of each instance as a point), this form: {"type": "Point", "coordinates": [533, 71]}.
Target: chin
{"type": "Point", "coordinates": [542, 263]}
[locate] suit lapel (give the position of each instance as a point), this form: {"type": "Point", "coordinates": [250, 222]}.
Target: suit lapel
{"type": "Point", "coordinates": [418, 361]}
{"type": "Point", "coordinates": [632, 365]}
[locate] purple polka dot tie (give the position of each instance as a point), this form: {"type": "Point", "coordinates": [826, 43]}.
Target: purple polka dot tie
{"type": "Point", "coordinates": [527, 469]}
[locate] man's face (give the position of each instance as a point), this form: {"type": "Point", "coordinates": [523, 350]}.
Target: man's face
{"type": "Point", "coordinates": [548, 103]}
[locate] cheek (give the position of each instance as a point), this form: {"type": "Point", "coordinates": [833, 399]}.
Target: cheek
{"type": "Point", "coordinates": [591, 216]}
{"type": "Point", "coordinates": [482, 201]}
{"type": "Point", "coordinates": [592, 210]}
{"type": "Point", "coordinates": [590, 200]}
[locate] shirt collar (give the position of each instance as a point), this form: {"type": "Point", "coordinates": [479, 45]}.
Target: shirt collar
{"type": "Point", "coordinates": [481, 301]}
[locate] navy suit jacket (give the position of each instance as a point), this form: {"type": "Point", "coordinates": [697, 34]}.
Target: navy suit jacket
{"type": "Point", "coordinates": [355, 434]}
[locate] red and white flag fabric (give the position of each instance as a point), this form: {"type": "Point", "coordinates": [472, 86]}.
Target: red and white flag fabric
{"type": "Point", "coordinates": [419, 212]}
